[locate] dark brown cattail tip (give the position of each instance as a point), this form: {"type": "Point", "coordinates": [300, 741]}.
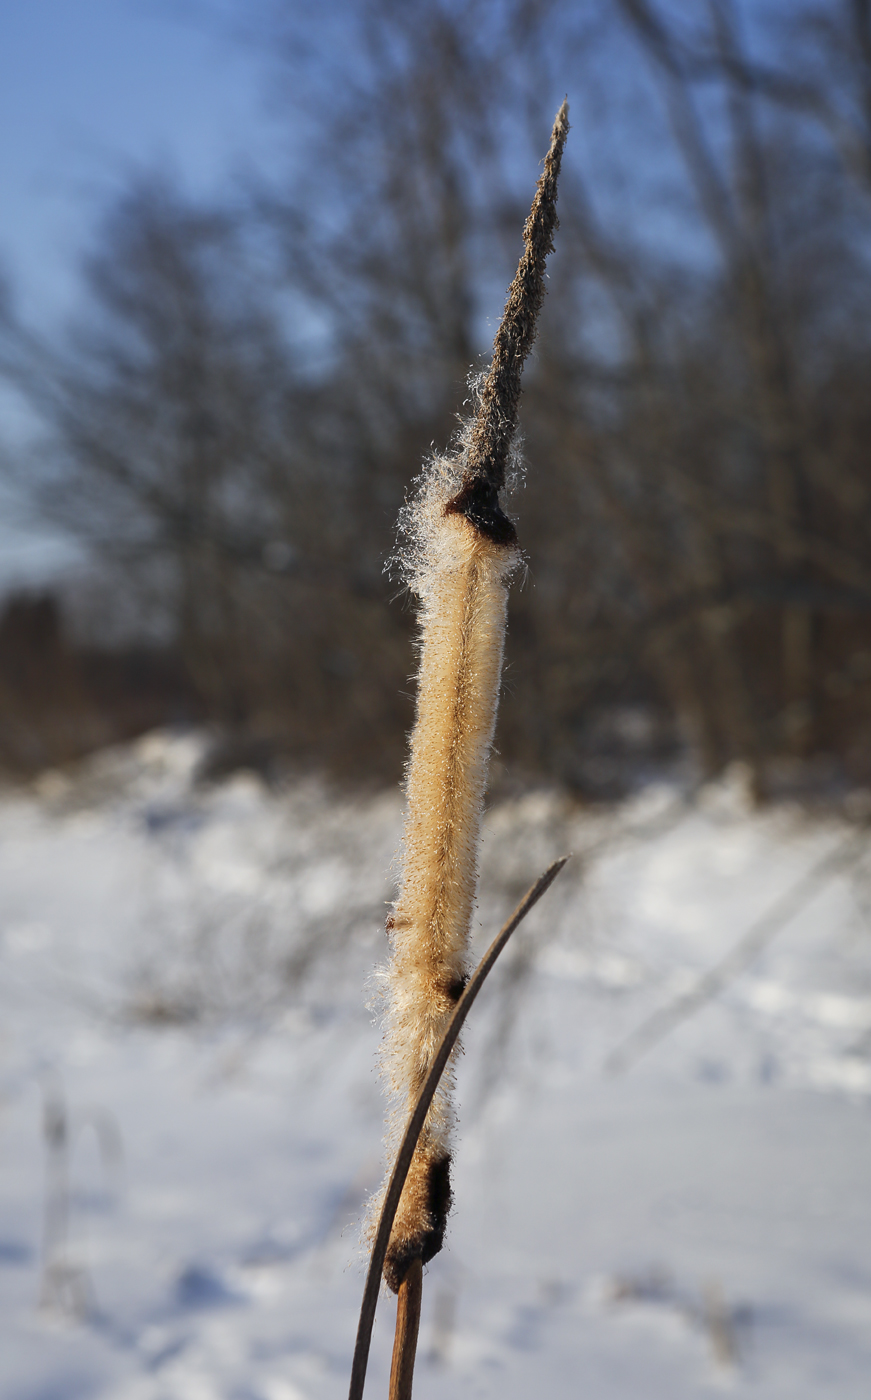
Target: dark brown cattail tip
{"type": "Point", "coordinates": [495, 423]}
{"type": "Point", "coordinates": [478, 501]}
{"type": "Point", "coordinates": [424, 1244]}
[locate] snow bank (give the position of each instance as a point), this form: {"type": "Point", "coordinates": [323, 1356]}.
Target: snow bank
{"type": "Point", "coordinates": [183, 979]}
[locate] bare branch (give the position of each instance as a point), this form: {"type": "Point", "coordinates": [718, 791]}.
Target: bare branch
{"type": "Point", "coordinates": [748, 948]}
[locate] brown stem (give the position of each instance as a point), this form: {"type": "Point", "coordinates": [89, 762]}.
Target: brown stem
{"type": "Point", "coordinates": [405, 1340]}
{"type": "Point", "coordinates": [416, 1122]}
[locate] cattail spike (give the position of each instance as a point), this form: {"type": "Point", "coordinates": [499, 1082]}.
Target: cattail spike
{"type": "Point", "coordinates": [496, 420]}
{"type": "Point", "coordinates": [460, 553]}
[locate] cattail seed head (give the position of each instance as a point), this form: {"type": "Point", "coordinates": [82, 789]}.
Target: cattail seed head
{"type": "Point", "coordinates": [460, 549]}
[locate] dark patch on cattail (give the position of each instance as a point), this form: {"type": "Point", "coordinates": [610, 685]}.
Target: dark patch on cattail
{"type": "Point", "coordinates": [426, 1244]}
{"type": "Point", "coordinates": [398, 1261]}
{"type": "Point", "coordinates": [440, 1202]}
{"type": "Point", "coordinates": [478, 501]}
{"type": "Point", "coordinates": [456, 989]}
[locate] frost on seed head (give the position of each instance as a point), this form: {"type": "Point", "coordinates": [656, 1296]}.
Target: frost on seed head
{"type": "Point", "coordinates": [422, 542]}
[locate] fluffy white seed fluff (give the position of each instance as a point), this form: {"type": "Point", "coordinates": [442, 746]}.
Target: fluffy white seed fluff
{"type": "Point", "coordinates": [460, 578]}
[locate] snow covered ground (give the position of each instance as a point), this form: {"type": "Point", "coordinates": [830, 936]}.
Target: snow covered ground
{"type": "Point", "coordinates": [190, 1116]}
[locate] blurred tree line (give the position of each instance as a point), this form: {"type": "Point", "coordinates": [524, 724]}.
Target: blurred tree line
{"type": "Point", "coordinates": [233, 422]}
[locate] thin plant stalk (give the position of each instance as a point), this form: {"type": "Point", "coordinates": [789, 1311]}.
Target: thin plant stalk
{"type": "Point", "coordinates": [416, 1120]}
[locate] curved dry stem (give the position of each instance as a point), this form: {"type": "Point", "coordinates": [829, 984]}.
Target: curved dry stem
{"type": "Point", "coordinates": [662, 1021]}
{"type": "Point", "coordinates": [416, 1121]}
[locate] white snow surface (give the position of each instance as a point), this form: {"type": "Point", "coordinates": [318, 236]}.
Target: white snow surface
{"type": "Point", "coordinates": [184, 978]}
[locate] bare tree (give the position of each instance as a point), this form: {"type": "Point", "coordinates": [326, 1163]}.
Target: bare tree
{"type": "Point", "coordinates": [233, 426]}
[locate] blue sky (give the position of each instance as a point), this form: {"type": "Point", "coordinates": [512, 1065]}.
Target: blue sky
{"type": "Point", "coordinates": [89, 88]}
